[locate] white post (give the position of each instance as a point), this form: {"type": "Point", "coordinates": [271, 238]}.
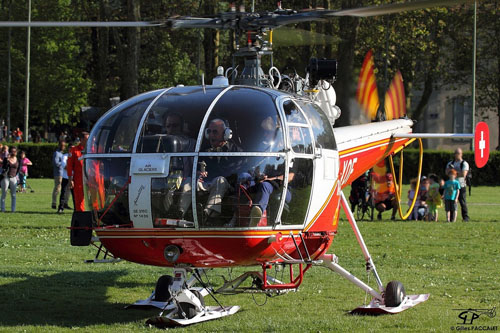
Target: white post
{"type": "Point", "coordinates": [27, 91]}
{"type": "Point", "coordinates": [359, 237]}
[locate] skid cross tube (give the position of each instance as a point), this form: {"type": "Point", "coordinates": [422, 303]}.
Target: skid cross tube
{"type": "Point", "coordinates": [361, 242]}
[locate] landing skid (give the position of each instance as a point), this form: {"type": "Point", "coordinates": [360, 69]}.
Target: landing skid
{"type": "Point", "coordinates": [376, 308]}
{"type": "Point", "coordinates": [390, 299]}
{"type": "Point", "coordinates": [107, 257]}
{"type": "Point", "coordinates": [181, 303]}
{"type": "Point", "coordinates": [210, 313]}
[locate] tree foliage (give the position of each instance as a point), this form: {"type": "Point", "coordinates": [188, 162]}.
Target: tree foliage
{"type": "Point", "coordinates": [76, 67]}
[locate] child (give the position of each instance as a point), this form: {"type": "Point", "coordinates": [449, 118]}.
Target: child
{"type": "Point", "coordinates": [23, 171]}
{"type": "Point", "coordinates": [433, 197]}
{"type": "Point", "coordinates": [422, 210]}
{"type": "Point", "coordinates": [451, 188]}
{"type": "Point", "coordinates": [411, 195]}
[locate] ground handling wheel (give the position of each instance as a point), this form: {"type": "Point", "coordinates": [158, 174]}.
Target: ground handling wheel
{"type": "Point", "coordinates": [360, 212]}
{"type": "Point", "coordinates": [394, 294]}
{"type": "Point", "coordinates": [188, 308]}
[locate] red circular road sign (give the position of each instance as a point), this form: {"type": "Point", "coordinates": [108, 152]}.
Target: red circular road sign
{"type": "Point", "coordinates": [481, 144]}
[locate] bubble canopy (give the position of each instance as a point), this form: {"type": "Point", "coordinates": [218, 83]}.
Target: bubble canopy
{"type": "Point", "coordinates": [235, 145]}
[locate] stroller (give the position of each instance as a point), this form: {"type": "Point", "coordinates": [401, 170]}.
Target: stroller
{"type": "Point", "coordinates": [361, 197]}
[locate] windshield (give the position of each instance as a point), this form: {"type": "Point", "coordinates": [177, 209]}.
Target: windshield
{"type": "Point", "coordinates": [173, 122]}
{"type": "Point", "coordinates": [244, 119]}
{"type": "Point", "coordinates": [115, 132]}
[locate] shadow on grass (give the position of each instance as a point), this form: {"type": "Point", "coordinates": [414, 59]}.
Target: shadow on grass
{"type": "Point", "coordinates": [66, 299]}
{"type": "Point", "coordinates": [39, 212]}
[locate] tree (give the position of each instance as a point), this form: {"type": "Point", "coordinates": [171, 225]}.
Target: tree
{"type": "Point", "coordinates": [488, 55]}
{"type": "Point", "coordinates": [58, 87]}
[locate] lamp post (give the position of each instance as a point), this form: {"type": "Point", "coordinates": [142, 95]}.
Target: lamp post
{"type": "Point", "coordinates": [27, 94]}
{"type": "Point", "coordinates": [9, 75]}
{"type": "Point", "coordinates": [474, 74]}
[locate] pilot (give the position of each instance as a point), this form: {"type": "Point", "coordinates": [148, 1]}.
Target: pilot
{"type": "Point", "coordinates": [219, 137]}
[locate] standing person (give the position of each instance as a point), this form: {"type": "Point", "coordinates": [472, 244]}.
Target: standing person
{"type": "Point", "coordinates": [10, 168]}
{"type": "Point", "coordinates": [462, 168]}
{"type": "Point", "coordinates": [451, 190]}
{"type": "Point", "coordinates": [411, 194]}
{"type": "Point", "coordinates": [23, 171]}
{"type": "Point", "coordinates": [57, 165]}
{"type": "Point", "coordinates": [18, 135]}
{"type": "Point", "coordinates": [433, 197]}
{"type": "Point", "coordinates": [65, 190]}
{"type": "Point", "coordinates": [75, 172]}
{"type": "Point", "coordinates": [4, 153]}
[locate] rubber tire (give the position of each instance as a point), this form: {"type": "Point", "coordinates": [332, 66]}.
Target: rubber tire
{"type": "Point", "coordinates": [188, 308]}
{"type": "Point", "coordinates": [394, 294]}
{"type": "Point", "coordinates": [162, 294]}
{"type": "Point", "coordinates": [198, 294]}
{"type": "Point", "coordinates": [359, 211]}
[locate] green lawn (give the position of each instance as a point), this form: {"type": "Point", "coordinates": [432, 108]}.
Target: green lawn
{"type": "Point", "coordinates": [45, 286]}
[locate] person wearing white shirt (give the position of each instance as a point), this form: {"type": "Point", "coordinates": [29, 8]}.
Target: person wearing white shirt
{"type": "Point", "coordinates": [65, 190]}
{"type": "Point", "coordinates": [462, 168]}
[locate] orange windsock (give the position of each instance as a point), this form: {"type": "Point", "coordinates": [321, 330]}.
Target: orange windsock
{"type": "Point", "coordinates": [395, 101]}
{"type": "Point", "coordinates": [367, 93]}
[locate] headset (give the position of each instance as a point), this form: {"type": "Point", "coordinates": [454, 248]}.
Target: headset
{"type": "Point", "coordinates": [228, 133]}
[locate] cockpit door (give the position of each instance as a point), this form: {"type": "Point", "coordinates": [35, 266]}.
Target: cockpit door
{"type": "Point", "coordinates": [325, 174]}
{"type": "Point", "coordinates": [326, 163]}
{"type": "Point", "coordinates": [144, 168]}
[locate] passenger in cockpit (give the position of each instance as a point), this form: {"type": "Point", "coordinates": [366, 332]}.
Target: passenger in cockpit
{"type": "Point", "coordinates": [180, 167]}
{"type": "Point", "coordinates": [174, 125]}
{"type": "Point", "coordinates": [272, 141]}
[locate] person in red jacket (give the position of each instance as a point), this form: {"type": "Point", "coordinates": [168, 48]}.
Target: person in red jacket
{"type": "Point", "coordinates": [75, 172]}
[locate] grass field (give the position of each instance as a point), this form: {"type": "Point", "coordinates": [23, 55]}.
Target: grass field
{"type": "Point", "coordinates": [46, 287]}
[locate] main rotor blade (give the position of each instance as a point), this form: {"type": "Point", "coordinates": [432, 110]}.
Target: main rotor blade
{"type": "Point", "coordinates": [124, 24]}
{"type": "Point", "coordinates": [196, 22]}
{"type": "Point", "coordinates": [285, 36]}
{"type": "Point", "coordinates": [395, 8]}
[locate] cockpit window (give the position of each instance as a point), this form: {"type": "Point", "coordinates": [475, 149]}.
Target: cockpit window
{"type": "Point", "coordinates": [106, 189]}
{"type": "Point", "coordinates": [293, 113]}
{"type": "Point", "coordinates": [301, 140]}
{"type": "Point", "coordinates": [322, 129]}
{"type": "Point", "coordinates": [243, 119]}
{"type": "Point", "coordinates": [173, 122]}
{"type": "Point", "coordinates": [239, 191]}
{"type": "Point", "coordinates": [115, 132]}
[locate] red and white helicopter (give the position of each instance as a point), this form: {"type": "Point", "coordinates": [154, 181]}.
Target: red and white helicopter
{"type": "Point", "coordinates": [247, 171]}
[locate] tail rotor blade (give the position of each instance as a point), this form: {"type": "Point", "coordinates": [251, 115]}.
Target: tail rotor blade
{"type": "Point", "coordinates": [395, 100]}
{"type": "Point", "coordinates": [367, 92]}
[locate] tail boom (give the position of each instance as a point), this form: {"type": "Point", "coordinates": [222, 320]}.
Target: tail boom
{"type": "Point", "coordinates": [362, 146]}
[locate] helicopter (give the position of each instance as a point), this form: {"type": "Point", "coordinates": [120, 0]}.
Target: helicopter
{"type": "Point", "coordinates": [247, 171]}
